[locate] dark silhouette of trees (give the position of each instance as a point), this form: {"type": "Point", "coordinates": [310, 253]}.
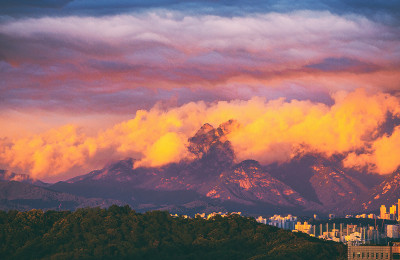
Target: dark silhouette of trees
{"type": "Point", "coordinates": [121, 233]}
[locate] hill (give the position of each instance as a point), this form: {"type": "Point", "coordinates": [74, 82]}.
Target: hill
{"type": "Point", "coordinates": [121, 233]}
{"type": "Point", "coordinates": [24, 196]}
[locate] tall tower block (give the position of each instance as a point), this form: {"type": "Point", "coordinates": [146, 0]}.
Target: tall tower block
{"type": "Point", "coordinates": [383, 212]}
{"type": "Point", "coordinates": [398, 209]}
{"type": "Point", "coordinates": [393, 212]}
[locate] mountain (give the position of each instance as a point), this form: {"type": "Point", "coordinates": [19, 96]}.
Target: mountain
{"type": "Point", "coordinates": [386, 193]}
{"type": "Point", "coordinates": [24, 196]}
{"type": "Point", "coordinates": [211, 179]}
{"type": "Point", "coordinates": [324, 181]}
{"type": "Point", "coordinates": [248, 183]}
{"type": "Point", "coordinates": [11, 176]}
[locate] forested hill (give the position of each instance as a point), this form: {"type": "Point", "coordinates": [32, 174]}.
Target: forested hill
{"type": "Point", "coordinates": [121, 233]}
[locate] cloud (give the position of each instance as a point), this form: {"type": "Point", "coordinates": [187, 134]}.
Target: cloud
{"type": "Point", "coordinates": [289, 75]}
{"type": "Point", "coordinates": [340, 64]}
{"type": "Point", "coordinates": [39, 3]}
{"type": "Point", "coordinates": [384, 11]}
{"type": "Point", "coordinates": [350, 124]}
{"type": "Point", "coordinates": [382, 157]}
{"type": "Point", "coordinates": [269, 131]}
{"type": "Point", "coordinates": [72, 62]}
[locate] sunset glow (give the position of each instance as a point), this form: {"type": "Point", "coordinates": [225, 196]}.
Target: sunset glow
{"type": "Point", "coordinates": [80, 89]}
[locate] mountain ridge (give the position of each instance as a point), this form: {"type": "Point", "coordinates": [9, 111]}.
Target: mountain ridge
{"type": "Point", "coordinates": [25, 196]}
{"type": "Point", "coordinates": [212, 178]}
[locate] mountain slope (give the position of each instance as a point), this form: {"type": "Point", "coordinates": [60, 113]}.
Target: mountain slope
{"type": "Point", "coordinates": [386, 193]}
{"type": "Point", "coordinates": [333, 186]}
{"type": "Point", "coordinates": [322, 180]}
{"type": "Point", "coordinates": [209, 177]}
{"type": "Point", "coordinates": [24, 196]}
{"type": "Point", "coordinates": [11, 176]}
{"type": "Point", "coordinates": [249, 181]}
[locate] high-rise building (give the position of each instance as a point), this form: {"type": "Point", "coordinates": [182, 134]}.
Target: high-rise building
{"type": "Point", "coordinates": [305, 228]}
{"type": "Point", "coordinates": [393, 214]}
{"type": "Point", "coordinates": [392, 231]}
{"type": "Point", "coordinates": [383, 211]}
{"type": "Point", "coordinates": [262, 220]}
{"type": "Point", "coordinates": [393, 209]}
{"type": "Point", "coordinates": [398, 207]}
{"type": "Point", "coordinates": [287, 222]}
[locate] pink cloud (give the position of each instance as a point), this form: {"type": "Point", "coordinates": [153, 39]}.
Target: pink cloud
{"type": "Point", "coordinates": [168, 50]}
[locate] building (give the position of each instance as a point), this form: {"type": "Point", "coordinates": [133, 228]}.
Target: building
{"type": "Point", "coordinates": [392, 210]}
{"type": "Point", "coordinates": [392, 231]}
{"type": "Point", "coordinates": [355, 238]}
{"type": "Point", "coordinates": [373, 252]}
{"type": "Point", "coordinates": [372, 216]}
{"type": "Point", "coordinates": [202, 215]}
{"type": "Point", "coordinates": [373, 235]}
{"type": "Point", "coordinates": [287, 222]}
{"type": "Point", "coordinates": [369, 252]}
{"type": "Point", "coordinates": [261, 220]}
{"type": "Point", "coordinates": [333, 235]}
{"type": "Point", "coordinates": [305, 228]}
{"type": "Point", "coordinates": [393, 213]}
{"type": "Point", "coordinates": [398, 212]}
{"type": "Point", "coordinates": [384, 214]}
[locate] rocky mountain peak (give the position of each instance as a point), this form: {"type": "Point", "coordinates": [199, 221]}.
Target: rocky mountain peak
{"type": "Point", "coordinates": [228, 126]}
{"type": "Point", "coordinates": [206, 128]}
{"type": "Point", "coordinates": [249, 164]}
{"type": "Point", "coordinates": [211, 144]}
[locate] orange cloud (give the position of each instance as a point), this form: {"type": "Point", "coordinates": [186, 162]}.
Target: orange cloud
{"type": "Point", "coordinates": [383, 157]}
{"type": "Point", "coordinates": [283, 127]}
{"type": "Point", "coordinates": [53, 152]}
{"type": "Point", "coordinates": [268, 131]}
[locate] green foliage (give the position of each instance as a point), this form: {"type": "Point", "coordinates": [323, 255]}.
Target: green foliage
{"type": "Point", "coordinates": [121, 233]}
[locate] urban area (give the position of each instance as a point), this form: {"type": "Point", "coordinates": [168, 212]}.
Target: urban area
{"type": "Point", "coordinates": [373, 239]}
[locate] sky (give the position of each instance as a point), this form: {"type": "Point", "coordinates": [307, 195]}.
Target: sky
{"type": "Point", "coordinates": [85, 83]}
